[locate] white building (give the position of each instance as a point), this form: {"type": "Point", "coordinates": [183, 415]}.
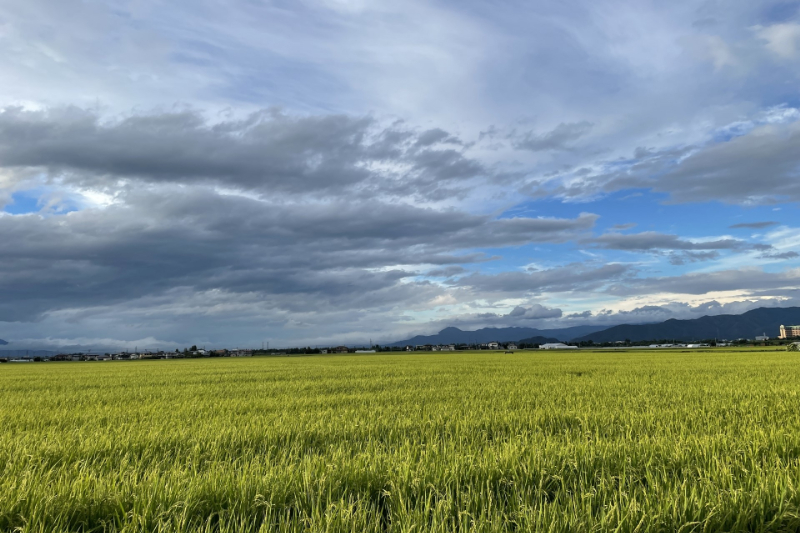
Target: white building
{"type": "Point", "coordinates": [493, 346]}
{"type": "Point", "coordinates": [556, 346]}
{"type": "Point", "coordinates": [511, 346]}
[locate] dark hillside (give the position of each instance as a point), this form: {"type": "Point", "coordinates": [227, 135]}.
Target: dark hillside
{"type": "Point", "coordinates": [764, 320]}
{"type": "Point", "coordinates": [456, 336]}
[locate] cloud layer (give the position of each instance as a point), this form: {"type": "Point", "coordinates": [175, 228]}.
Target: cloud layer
{"type": "Point", "coordinates": [333, 171]}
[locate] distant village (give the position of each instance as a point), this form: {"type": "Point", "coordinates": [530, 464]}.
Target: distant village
{"type": "Point", "coordinates": [786, 334]}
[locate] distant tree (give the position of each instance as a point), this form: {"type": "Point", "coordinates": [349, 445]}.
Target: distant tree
{"type": "Point", "coordinates": [193, 348]}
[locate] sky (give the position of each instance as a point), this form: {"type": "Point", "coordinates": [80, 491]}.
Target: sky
{"type": "Point", "coordinates": [338, 171]}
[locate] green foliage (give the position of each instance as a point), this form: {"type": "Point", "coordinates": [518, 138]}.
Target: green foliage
{"type": "Point", "coordinates": [560, 442]}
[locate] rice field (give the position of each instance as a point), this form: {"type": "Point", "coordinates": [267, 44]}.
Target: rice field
{"type": "Point", "coordinates": [587, 441]}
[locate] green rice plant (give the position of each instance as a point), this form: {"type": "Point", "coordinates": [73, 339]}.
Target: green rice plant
{"type": "Point", "coordinates": [581, 441]}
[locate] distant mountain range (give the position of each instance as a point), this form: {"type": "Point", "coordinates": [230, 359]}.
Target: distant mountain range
{"type": "Point", "coordinates": [2, 342]}
{"type": "Point", "coordinates": [761, 321]}
{"type": "Point", "coordinates": [456, 336]}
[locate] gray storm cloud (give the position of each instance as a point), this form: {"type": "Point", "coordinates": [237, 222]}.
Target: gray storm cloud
{"type": "Point", "coordinates": [340, 171]}
{"type": "Point", "coordinates": [298, 255]}
{"type": "Point", "coordinates": [267, 151]}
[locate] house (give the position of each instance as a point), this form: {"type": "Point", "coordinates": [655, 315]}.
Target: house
{"type": "Point", "coordinates": [556, 346]}
{"type": "Point", "coordinates": [493, 345]}
{"type": "Point", "coordinates": [511, 346]}
{"type": "Point", "coordinates": [341, 349]}
{"type": "Point", "coordinates": [762, 338]}
{"type": "Point", "coordinates": [787, 332]}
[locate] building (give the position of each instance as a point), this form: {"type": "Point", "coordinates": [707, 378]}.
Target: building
{"type": "Point", "coordinates": [556, 346]}
{"type": "Point", "coordinates": [761, 338]}
{"type": "Point", "coordinates": [511, 346]}
{"type": "Point", "coordinates": [787, 332]}
{"type": "Point", "coordinates": [493, 345]}
{"type": "Point", "coordinates": [341, 349]}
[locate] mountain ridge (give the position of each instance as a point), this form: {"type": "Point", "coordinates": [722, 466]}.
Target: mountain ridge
{"type": "Point", "coordinates": [454, 335]}
{"type": "Point", "coordinates": [759, 321]}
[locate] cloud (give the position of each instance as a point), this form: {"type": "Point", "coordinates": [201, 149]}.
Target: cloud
{"type": "Point", "coordinates": [780, 255]}
{"type": "Point", "coordinates": [534, 312]}
{"type": "Point", "coordinates": [759, 167]}
{"type": "Point", "coordinates": [711, 48]}
{"type": "Point", "coordinates": [268, 152]}
{"type": "Point", "coordinates": [572, 277]}
{"type": "Point", "coordinates": [684, 310]}
{"type": "Point", "coordinates": [755, 168]}
{"type": "Point", "coordinates": [447, 272]}
{"type": "Point", "coordinates": [327, 157]}
{"type": "Point", "coordinates": [781, 39]}
{"type": "Point", "coordinates": [298, 257]}
{"type": "Point", "coordinates": [692, 257]}
{"type": "Point", "coordinates": [750, 279]}
{"type": "Point", "coordinates": [651, 240]}
{"type": "Point", "coordinates": [754, 225]}
{"type": "Point", "coordinates": [559, 138]}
